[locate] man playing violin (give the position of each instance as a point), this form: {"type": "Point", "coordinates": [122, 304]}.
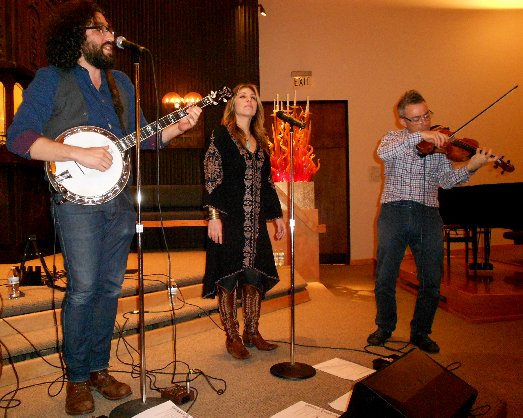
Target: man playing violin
{"type": "Point", "coordinates": [409, 216]}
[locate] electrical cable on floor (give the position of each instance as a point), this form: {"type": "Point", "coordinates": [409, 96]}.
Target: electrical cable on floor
{"type": "Point", "coordinates": [12, 402]}
{"type": "Point", "coordinates": [365, 350]}
{"type": "Point", "coordinates": [120, 330]}
{"type": "Point", "coordinates": [181, 392]}
{"type": "Point", "coordinates": [35, 350]}
{"type": "Point", "coordinates": [453, 366]}
{"type": "Point", "coordinates": [38, 353]}
{"type": "Point", "coordinates": [381, 359]}
{"type": "Point", "coordinates": [480, 411]}
{"type": "Point", "coordinates": [17, 388]}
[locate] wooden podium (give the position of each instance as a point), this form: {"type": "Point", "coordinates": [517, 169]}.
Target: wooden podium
{"type": "Point", "coordinates": [306, 232]}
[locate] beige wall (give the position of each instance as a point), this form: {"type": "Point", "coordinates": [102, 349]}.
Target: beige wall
{"type": "Point", "coordinates": [460, 60]}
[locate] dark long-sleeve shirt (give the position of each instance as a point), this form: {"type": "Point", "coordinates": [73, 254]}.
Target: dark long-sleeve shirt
{"type": "Point", "coordinates": [38, 103]}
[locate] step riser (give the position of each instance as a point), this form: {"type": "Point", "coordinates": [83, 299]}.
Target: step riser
{"type": "Point", "coordinates": [38, 368]}
{"type": "Point", "coordinates": [40, 320]}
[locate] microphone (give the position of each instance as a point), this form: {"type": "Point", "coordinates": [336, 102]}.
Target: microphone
{"type": "Point", "coordinates": [123, 43]}
{"type": "Point", "coordinates": [289, 119]}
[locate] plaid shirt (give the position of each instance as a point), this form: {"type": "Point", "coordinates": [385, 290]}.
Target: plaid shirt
{"type": "Point", "coordinates": [410, 177]}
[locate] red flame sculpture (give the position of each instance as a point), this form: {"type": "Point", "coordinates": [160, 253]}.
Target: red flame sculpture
{"type": "Point", "coordinates": [304, 166]}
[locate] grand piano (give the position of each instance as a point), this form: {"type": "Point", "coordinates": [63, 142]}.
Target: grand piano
{"type": "Point", "coordinates": [480, 208]}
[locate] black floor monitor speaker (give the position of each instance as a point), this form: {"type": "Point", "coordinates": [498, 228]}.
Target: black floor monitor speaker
{"type": "Point", "coordinates": [414, 386]}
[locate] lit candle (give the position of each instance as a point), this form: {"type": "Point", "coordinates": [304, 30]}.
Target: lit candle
{"type": "Point", "coordinates": [287, 102]}
{"type": "Point", "coordinates": [307, 107]}
{"type": "Point", "coordinates": [277, 101]}
{"type": "Point", "coordinates": [294, 105]}
{"type": "Point", "coordinates": [274, 105]}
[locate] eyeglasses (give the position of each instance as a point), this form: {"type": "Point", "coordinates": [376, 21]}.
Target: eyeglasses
{"type": "Point", "coordinates": [419, 119]}
{"type": "Point", "coordinates": [104, 30]}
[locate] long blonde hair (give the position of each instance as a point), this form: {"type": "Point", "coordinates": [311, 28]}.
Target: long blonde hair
{"type": "Point", "coordinates": [256, 126]}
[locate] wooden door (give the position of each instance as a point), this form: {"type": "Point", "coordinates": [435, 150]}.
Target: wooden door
{"type": "Point", "coordinates": [330, 139]}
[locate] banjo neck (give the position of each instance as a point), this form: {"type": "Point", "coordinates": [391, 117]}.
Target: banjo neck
{"type": "Point", "coordinates": [147, 131]}
{"type": "Point", "coordinates": [86, 186]}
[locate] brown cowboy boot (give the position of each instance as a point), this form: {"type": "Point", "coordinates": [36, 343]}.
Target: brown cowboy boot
{"type": "Point", "coordinates": [227, 308]}
{"type": "Point", "coordinates": [251, 302]}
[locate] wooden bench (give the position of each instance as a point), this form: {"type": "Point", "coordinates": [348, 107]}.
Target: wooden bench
{"type": "Point", "coordinates": [181, 206]}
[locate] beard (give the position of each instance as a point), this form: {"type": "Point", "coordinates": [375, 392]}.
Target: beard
{"type": "Point", "coordinates": [95, 56]}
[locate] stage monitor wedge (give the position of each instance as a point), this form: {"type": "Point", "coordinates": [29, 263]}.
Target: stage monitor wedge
{"type": "Point", "coordinates": [414, 386]}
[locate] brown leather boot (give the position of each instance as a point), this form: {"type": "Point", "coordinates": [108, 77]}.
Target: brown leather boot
{"type": "Point", "coordinates": [79, 399]}
{"type": "Point", "coordinates": [228, 315]}
{"type": "Point", "coordinates": [251, 302]}
{"type": "Point", "coordinates": [108, 386]}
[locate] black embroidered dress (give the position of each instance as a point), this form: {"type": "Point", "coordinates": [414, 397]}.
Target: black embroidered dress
{"type": "Point", "coordinates": [239, 185]}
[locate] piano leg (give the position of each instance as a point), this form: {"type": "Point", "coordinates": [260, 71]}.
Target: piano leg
{"type": "Point", "coordinates": [486, 249]}
{"type": "Point", "coordinates": [486, 265]}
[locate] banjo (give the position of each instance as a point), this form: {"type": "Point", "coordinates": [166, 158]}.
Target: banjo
{"type": "Point", "coordinates": [86, 186]}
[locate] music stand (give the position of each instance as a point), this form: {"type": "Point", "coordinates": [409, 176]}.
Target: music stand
{"type": "Point", "coordinates": [134, 407]}
{"type": "Point", "coordinates": [292, 370]}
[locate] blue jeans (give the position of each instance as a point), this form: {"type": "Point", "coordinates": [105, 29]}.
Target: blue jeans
{"type": "Point", "coordinates": [95, 242]}
{"type": "Point", "coordinates": [402, 224]}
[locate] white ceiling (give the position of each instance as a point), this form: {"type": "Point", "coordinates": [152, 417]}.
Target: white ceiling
{"type": "Point", "coordinates": [450, 4]}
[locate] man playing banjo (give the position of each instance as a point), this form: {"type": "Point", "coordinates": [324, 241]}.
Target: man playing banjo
{"type": "Point", "coordinates": [79, 88]}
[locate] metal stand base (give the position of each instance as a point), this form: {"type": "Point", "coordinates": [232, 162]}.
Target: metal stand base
{"type": "Point", "coordinates": [131, 408]}
{"type": "Point", "coordinates": [481, 266]}
{"type": "Point", "coordinates": [293, 371]}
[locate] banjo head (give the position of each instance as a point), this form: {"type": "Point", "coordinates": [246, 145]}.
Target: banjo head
{"type": "Point", "coordinates": [87, 186]}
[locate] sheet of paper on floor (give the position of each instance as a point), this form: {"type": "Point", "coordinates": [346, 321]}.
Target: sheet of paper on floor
{"type": "Point", "coordinates": [305, 410]}
{"type": "Point", "coordinates": [344, 369]}
{"type": "Point", "coordinates": [342, 402]}
{"type": "Point", "coordinates": [164, 410]}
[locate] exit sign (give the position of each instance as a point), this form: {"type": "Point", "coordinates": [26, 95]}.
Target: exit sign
{"type": "Point", "coordinates": [301, 78]}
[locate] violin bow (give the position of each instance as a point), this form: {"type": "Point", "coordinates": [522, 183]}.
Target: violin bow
{"type": "Point", "coordinates": [483, 111]}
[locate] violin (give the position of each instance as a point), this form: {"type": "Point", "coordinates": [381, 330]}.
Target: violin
{"type": "Point", "coordinates": [463, 149]}
{"type": "Point", "coordinates": [458, 149]}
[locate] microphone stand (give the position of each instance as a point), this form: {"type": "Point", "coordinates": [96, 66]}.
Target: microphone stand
{"type": "Point", "coordinates": [134, 407]}
{"type": "Point", "coordinates": [292, 370]}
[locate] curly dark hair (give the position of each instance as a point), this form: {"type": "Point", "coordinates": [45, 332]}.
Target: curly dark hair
{"type": "Point", "coordinates": [65, 33]}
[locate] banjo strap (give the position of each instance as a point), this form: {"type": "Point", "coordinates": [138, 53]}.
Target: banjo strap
{"type": "Point", "coordinates": [115, 94]}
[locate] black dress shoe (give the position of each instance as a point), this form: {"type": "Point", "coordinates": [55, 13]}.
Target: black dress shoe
{"type": "Point", "coordinates": [423, 342]}
{"type": "Point", "coordinates": [378, 337]}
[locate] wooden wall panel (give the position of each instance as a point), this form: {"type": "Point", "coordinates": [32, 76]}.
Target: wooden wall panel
{"type": "Point", "coordinates": [195, 45]}
{"type": "Point", "coordinates": [21, 33]}
{"type": "Point", "coordinates": [24, 210]}
{"type": "Point", "coordinates": [329, 137]}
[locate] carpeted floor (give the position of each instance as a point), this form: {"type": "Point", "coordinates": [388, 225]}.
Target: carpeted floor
{"type": "Point", "coordinates": [335, 323]}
